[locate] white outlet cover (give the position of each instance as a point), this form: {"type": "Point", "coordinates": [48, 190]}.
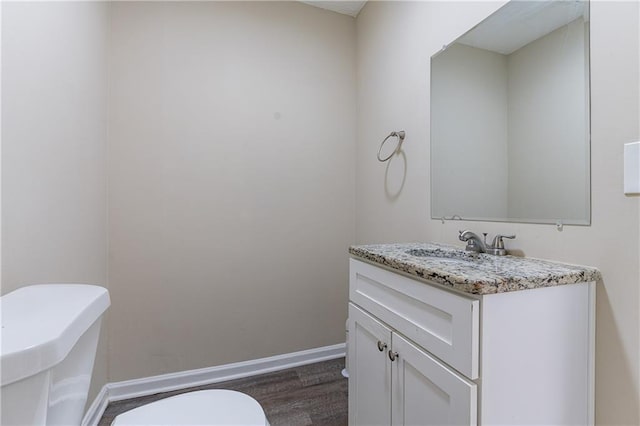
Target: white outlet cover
{"type": "Point", "coordinates": [632, 168]}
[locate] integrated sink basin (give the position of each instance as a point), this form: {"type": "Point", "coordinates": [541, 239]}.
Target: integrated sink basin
{"type": "Point", "coordinates": [443, 255]}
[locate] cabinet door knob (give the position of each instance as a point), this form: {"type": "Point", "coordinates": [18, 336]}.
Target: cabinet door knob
{"type": "Point", "coordinates": [393, 355]}
{"type": "Point", "coordinates": [381, 346]}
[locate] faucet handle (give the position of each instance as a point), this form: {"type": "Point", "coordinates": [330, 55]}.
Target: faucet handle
{"type": "Point", "coordinates": [497, 240]}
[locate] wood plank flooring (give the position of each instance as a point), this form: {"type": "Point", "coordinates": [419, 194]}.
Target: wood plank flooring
{"type": "Point", "coordinates": [314, 394]}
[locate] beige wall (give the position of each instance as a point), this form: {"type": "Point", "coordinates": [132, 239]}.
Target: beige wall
{"type": "Point", "coordinates": [231, 182]}
{"type": "Point", "coordinates": [395, 42]}
{"type": "Point", "coordinates": [53, 147]}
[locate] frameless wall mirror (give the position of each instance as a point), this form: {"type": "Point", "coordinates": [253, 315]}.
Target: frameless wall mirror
{"type": "Point", "coordinates": [510, 117]}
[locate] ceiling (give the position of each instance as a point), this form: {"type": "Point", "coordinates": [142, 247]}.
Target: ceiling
{"type": "Point", "coordinates": [346, 7]}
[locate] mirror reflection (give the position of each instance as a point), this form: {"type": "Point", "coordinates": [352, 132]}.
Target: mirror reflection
{"type": "Point", "coordinates": [510, 117]}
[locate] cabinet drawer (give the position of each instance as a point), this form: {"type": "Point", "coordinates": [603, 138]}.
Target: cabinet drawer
{"type": "Point", "coordinates": [442, 322]}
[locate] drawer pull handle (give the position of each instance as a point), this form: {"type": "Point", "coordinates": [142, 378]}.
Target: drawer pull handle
{"type": "Point", "coordinates": [393, 355]}
{"type": "Point", "coordinates": [381, 346]}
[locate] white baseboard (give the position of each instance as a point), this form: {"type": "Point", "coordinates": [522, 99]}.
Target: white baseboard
{"type": "Point", "coordinates": [185, 379]}
{"type": "Point", "coordinates": [97, 407]}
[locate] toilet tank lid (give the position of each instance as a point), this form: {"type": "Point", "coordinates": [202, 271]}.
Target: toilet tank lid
{"type": "Point", "coordinates": [42, 323]}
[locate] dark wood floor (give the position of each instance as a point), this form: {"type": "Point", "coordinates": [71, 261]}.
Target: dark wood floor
{"type": "Point", "coordinates": [314, 394]}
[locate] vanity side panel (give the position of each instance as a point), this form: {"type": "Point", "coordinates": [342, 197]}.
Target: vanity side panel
{"type": "Point", "coordinates": [536, 356]}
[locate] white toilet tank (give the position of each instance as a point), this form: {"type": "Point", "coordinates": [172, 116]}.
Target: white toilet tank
{"type": "Point", "coordinates": [48, 345]}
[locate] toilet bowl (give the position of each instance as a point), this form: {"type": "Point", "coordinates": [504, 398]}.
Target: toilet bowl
{"type": "Point", "coordinates": [49, 340]}
{"type": "Point", "coordinates": [206, 407]}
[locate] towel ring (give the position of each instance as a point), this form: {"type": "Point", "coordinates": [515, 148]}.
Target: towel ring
{"type": "Point", "coordinates": [400, 135]}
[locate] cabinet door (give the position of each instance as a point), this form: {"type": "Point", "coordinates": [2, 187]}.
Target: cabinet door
{"type": "Point", "coordinates": [369, 370]}
{"type": "Point", "coordinates": [425, 392]}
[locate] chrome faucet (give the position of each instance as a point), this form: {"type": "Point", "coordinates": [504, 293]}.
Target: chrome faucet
{"type": "Point", "coordinates": [474, 243]}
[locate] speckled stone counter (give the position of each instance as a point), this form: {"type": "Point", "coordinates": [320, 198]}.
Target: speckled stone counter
{"type": "Point", "coordinates": [470, 272]}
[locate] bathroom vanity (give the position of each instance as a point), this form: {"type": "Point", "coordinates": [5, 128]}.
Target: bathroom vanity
{"type": "Point", "coordinates": [441, 336]}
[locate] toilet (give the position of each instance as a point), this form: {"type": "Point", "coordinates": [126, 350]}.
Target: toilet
{"type": "Point", "coordinates": [49, 339]}
{"type": "Point", "coordinates": [207, 407]}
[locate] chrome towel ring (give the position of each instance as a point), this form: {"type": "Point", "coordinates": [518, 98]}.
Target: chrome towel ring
{"type": "Point", "coordinates": [400, 135]}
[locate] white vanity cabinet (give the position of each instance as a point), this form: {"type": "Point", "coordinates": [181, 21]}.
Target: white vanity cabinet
{"type": "Point", "coordinates": [423, 355]}
{"type": "Point", "coordinates": [388, 388]}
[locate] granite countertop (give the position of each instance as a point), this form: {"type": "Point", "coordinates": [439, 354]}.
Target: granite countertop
{"type": "Point", "coordinates": [470, 272]}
